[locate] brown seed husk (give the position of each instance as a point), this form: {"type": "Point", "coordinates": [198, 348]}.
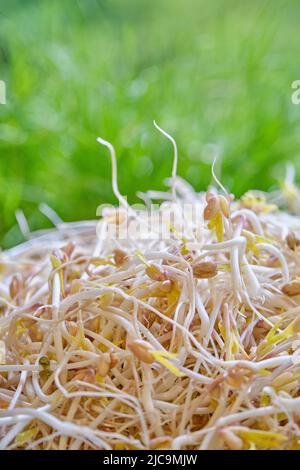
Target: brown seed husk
{"type": "Point", "coordinates": [205, 270]}
{"type": "Point", "coordinates": [142, 350]}
{"type": "Point", "coordinates": [291, 288]}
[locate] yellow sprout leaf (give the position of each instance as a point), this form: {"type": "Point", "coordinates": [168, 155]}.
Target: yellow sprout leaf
{"type": "Point", "coordinates": [264, 399]}
{"type": "Point", "coordinates": [140, 255]}
{"type": "Point", "coordinates": [139, 286]}
{"type": "Point", "coordinates": [119, 342]}
{"type": "Point", "coordinates": [264, 372]}
{"type": "Point", "coordinates": [251, 246]}
{"type": "Point", "coordinates": [217, 224]}
{"type": "Point", "coordinates": [56, 264]}
{"type": "Point", "coordinates": [102, 347]}
{"type": "Point", "coordinates": [271, 335]}
{"type": "Point", "coordinates": [184, 249]}
{"type": "Point", "coordinates": [251, 242]}
{"type": "Point", "coordinates": [222, 330]}
{"type": "Point", "coordinates": [162, 357]}
{"type": "Point", "coordinates": [101, 262]}
{"type": "Point", "coordinates": [99, 379]}
{"type": "Point", "coordinates": [172, 297]}
{"type": "Point", "coordinates": [262, 439]}
{"type": "Point", "coordinates": [20, 328]}
{"type": "Point", "coordinates": [281, 417]}
{"type": "Point", "coordinates": [273, 338]}
{"type": "Point", "coordinates": [80, 340]}
{"type": "Point", "coordinates": [234, 344]}
{"type": "Point", "coordinates": [214, 403]}
{"type": "Point", "coordinates": [25, 436]}
{"type": "Point", "coordinates": [261, 239]}
{"type": "Point", "coordinates": [250, 201]}
{"type": "Point", "coordinates": [219, 227]}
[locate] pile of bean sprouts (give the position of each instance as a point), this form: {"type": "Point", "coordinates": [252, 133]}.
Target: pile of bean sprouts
{"type": "Point", "coordinates": [189, 342]}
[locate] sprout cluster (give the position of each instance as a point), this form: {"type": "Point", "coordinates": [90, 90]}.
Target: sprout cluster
{"type": "Point", "coordinates": [187, 343]}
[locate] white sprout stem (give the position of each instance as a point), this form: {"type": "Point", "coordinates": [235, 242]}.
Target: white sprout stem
{"type": "Point", "coordinates": [213, 317]}
{"type": "Point", "coordinates": [18, 392]}
{"type": "Point", "coordinates": [19, 367]}
{"type": "Point", "coordinates": [215, 177]}
{"type": "Point", "coordinates": [100, 242]}
{"type": "Point", "coordinates": [251, 216]}
{"type": "Point", "coordinates": [175, 157]}
{"type": "Point", "coordinates": [50, 214]}
{"type": "Point", "coordinates": [237, 247]}
{"type": "Point", "coordinates": [253, 285]}
{"type": "Point", "coordinates": [274, 251]}
{"type": "Point", "coordinates": [135, 342]}
{"type": "Point", "coordinates": [23, 224]}
{"type": "Point", "coordinates": [55, 310]}
{"type": "Point", "coordinates": [202, 314]}
{"type": "Point", "coordinates": [12, 433]}
{"type": "Point", "coordinates": [116, 191]}
{"type": "Point", "coordinates": [66, 428]}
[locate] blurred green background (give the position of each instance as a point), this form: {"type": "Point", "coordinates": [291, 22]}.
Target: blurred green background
{"type": "Point", "coordinates": [216, 72]}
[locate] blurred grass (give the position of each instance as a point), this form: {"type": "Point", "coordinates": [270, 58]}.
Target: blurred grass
{"type": "Point", "coordinates": [217, 72]}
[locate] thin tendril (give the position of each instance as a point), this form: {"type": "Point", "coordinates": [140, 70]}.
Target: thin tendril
{"type": "Point", "coordinates": [175, 156]}
{"type": "Point", "coordinates": [115, 187]}
{"type": "Point", "coordinates": [216, 179]}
